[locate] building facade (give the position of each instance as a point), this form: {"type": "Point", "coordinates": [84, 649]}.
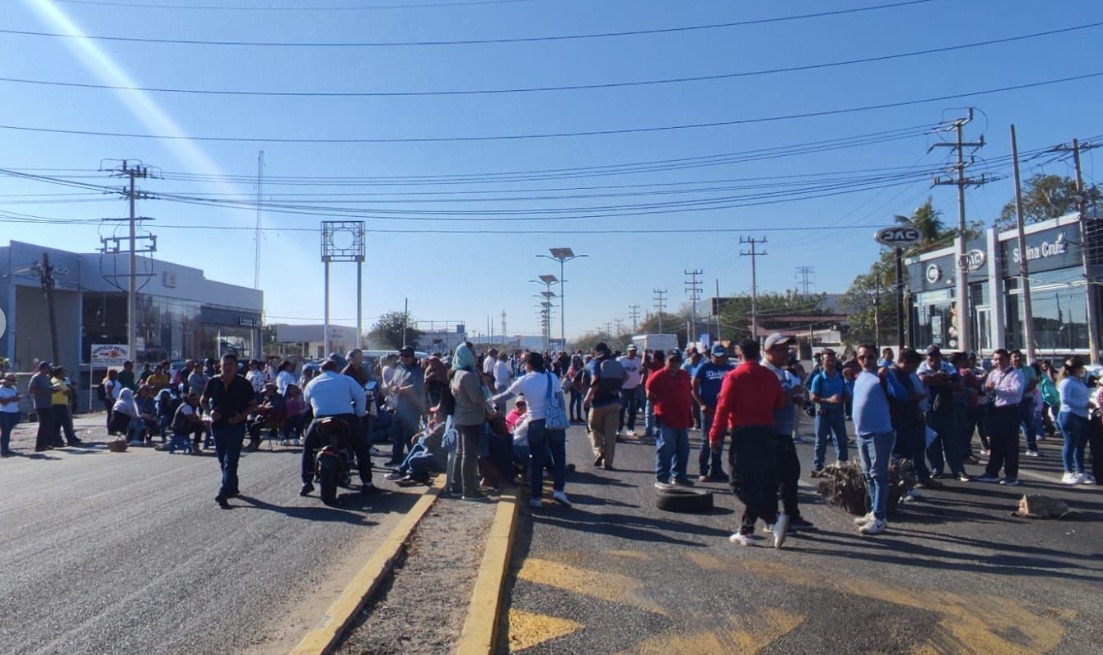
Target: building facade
{"type": "Point", "coordinates": [1059, 288]}
{"type": "Point", "coordinates": [179, 313]}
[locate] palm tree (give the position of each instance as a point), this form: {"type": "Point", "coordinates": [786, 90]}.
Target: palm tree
{"type": "Point", "coordinates": [928, 220]}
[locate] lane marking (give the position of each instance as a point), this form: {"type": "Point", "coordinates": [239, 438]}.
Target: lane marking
{"type": "Point", "coordinates": [480, 629]}
{"type": "Point", "coordinates": [325, 634]}
{"type": "Point", "coordinates": [747, 634]}
{"type": "Point", "coordinates": [527, 629]}
{"type": "Point", "coordinates": [611, 587]}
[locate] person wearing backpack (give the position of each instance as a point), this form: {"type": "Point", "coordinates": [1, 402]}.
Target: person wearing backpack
{"type": "Point", "coordinates": [603, 379]}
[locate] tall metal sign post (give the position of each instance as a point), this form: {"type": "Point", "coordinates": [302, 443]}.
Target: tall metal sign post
{"type": "Point", "coordinates": [896, 237]}
{"type": "Point", "coordinates": [343, 241]}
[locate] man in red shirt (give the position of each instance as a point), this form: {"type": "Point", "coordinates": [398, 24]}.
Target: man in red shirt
{"type": "Point", "coordinates": [671, 393]}
{"type": "Point", "coordinates": [748, 399]}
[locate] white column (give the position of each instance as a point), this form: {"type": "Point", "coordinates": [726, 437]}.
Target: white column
{"type": "Point", "coordinates": [996, 290]}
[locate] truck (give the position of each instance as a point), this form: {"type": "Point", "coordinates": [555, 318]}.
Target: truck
{"type": "Point", "coordinates": [664, 342]}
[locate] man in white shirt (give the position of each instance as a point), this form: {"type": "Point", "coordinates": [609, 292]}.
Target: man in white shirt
{"type": "Point", "coordinates": [632, 394]}
{"type": "Point", "coordinates": [1005, 387]}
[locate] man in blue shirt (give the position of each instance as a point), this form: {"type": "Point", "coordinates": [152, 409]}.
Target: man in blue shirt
{"type": "Point", "coordinates": [942, 382]}
{"type": "Point", "coordinates": [707, 381]}
{"type": "Point", "coordinates": [331, 394]}
{"type": "Point", "coordinates": [873, 425]}
{"type": "Point", "coordinates": [830, 393]}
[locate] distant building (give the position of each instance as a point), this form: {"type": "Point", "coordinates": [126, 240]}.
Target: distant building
{"type": "Point", "coordinates": [180, 314]}
{"type": "Point", "coordinates": [308, 341]}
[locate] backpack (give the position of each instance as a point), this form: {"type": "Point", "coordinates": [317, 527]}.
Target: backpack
{"type": "Point", "coordinates": [101, 393]}
{"type": "Point", "coordinates": [610, 379]}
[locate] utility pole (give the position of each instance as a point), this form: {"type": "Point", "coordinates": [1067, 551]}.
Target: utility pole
{"type": "Point", "coordinates": [503, 326]}
{"type": "Point", "coordinates": [1085, 253]}
{"type": "Point", "coordinates": [717, 339]}
{"type": "Point", "coordinates": [754, 254]}
{"type": "Point", "coordinates": [133, 172]}
{"type": "Point", "coordinates": [608, 330]}
{"type": "Point", "coordinates": [634, 314]}
{"type": "Point", "coordinates": [961, 301]}
{"type": "Point", "coordinates": [804, 282]}
{"type": "Point", "coordinates": [619, 323]}
{"type": "Point", "coordinates": [46, 278]}
{"type": "Point", "coordinates": [1024, 277]}
{"type": "Point", "coordinates": [659, 306]}
{"type": "Point", "coordinates": [693, 288]}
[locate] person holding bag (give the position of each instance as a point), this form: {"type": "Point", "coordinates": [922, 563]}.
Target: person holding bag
{"type": "Point", "coordinates": [547, 431]}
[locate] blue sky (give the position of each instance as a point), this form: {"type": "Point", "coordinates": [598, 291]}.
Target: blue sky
{"type": "Point", "coordinates": [471, 264]}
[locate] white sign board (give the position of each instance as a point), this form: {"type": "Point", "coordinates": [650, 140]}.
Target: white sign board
{"type": "Point", "coordinates": [109, 354]}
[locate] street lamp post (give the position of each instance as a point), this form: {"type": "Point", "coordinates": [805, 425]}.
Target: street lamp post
{"type": "Point", "coordinates": [562, 255]}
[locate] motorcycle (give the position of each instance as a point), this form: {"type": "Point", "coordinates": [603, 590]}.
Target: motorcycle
{"type": "Point", "coordinates": [334, 459]}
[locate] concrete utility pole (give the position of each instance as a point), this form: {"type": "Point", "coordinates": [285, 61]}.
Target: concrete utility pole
{"type": "Point", "coordinates": [46, 277]}
{"type": "Point", "coordinates": [1024, 277]}
{"type": "Point", "coordinates": [754, 254]}
{"type": "Point", "coordinates": [634, 314]}
{"type": "Point", "coordinates": [693, 288]}
{"type": "Point", "coordinates": [961, 301]}
{"type": "Point", "coordinates": [132, 194]}
{"type": "Point", "coordinates": [1085, 252]}
{"type": "Point", "coordinates": [659, 306]}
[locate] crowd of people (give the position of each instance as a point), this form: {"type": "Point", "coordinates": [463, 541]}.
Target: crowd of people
{"type": "Point", "coordinates": [448, 414]}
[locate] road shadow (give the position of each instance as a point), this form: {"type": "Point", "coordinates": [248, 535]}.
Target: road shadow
{"type": "Point", "coordinates": [320, 512]}
{"type": "Point", "coordinates": [586, 477]}
{"type": "Point", "coordinates": [624, 526]}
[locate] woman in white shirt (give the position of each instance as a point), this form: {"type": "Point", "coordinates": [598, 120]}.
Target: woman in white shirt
{"type": "Point", "coordinates": [534, 387]}
{"type": "Point", "coordinates": [9, 412]}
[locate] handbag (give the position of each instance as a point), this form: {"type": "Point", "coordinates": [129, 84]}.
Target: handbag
{"type": "Point", "coordinates": [555, 416]}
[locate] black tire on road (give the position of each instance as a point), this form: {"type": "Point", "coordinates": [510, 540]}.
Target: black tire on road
{"type": "Point", "coordinates": [327, 479]}
{"type": "Point", "coordinates": [684, 500]}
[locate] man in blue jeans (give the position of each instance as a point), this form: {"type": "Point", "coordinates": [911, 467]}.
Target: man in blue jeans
{"type": "Point", "coordinates": [873, 425]}
{"type": "Point", "coordinates": [670, 392]}
{"type": "Point", "coordinates": [229, 398]}
{"type": "Point", "coordinates": [830, 394]}
{"type": "Point", "coordinates": [706, 387]}
{"type": "Point", "coordinates": [1026, 406]}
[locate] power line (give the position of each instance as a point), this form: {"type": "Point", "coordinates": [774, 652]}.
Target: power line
{"type": "Point", "coordinates": [559, 135]}
{"type": "Point", "coordinates": [547, 89]}
{"type": "Point", "coordinates": [528, 39]}
{"type": "Point", "coordinates": [426, 5]}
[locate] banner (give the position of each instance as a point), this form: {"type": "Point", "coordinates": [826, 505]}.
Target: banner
{"type": "Point", "coordinates": [109, 354]}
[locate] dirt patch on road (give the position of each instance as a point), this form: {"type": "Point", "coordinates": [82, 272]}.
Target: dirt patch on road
{"type": "Point", "coordinates": [420, 610]}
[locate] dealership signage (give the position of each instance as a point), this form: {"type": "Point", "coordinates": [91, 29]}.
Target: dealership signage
{"type": "Point", "coordinates": [1044, 250]}
{"type": "Point", "coordinates": [898, 235]}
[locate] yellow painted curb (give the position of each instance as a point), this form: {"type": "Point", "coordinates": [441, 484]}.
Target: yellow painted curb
{"type": "Point", "coordinates": [340, 614]}
{"type": "Point", "coordinates": [480, 628]}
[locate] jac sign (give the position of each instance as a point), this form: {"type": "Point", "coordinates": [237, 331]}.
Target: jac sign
{"type": "Point", "coordinates": [897, 235]}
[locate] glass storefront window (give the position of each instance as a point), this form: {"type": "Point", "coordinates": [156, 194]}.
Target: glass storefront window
{"type": "Point", "coordinates": [935, 320]}
{"type": "Point", "coordinates": [1059, 308]}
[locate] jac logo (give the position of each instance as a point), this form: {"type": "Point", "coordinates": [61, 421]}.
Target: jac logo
{"type": "Point", "coordinates": [974, 260]}
{"type": "Point", "coordinates": [898, 235]}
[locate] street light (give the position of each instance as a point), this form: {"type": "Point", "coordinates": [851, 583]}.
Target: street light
{"type": "Point", "coordinates": [562, 255]}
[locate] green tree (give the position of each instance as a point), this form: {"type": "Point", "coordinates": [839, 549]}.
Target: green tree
{"type": "Point", "coordinates": [387, 331]}
{"type": "Point", "coordinates": [871, 302]}
{"type": "Point", "coordinates": [932, 230]}
{"type": "Point", "coordinates": [1044, 197]}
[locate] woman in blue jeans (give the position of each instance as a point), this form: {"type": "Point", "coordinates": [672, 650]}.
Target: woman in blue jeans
{"type": "Point", "coordinates": [1073, 421]}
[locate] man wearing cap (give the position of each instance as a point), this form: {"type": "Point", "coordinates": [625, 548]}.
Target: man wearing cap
{"type": "Point", "coordinates": [942, 381]}
{"type": "Point", "coordinates": [632, 392]}
{"type": "Point", "coordinates": [748, 399]}
{"type": "Point", "coordinates": [788, 464]}
{"type": "Point", "coordinates": [706, 387]}
{"type": "Point", "coordinates": [41, 389]}
{"type": "Point", "coordinates": [408, 387]}
{"type": "Point", "coordinates": [602, 379]}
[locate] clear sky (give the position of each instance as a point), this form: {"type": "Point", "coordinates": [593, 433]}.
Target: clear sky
{"type": "Point", "coordinates": [355, 105]}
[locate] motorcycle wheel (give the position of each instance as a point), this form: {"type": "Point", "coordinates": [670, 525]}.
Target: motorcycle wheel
{"type": "Point", "coordinates": [327, 479]}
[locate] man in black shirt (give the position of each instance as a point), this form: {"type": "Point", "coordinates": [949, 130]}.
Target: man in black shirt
{"type": "Point", "coordinates": [229, 399]}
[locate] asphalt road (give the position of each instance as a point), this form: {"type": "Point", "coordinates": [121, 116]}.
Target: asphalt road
{"type": "Point", "coordinates": [128, 553]}
{"type": "Point", "coordinates": [956, 573]}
